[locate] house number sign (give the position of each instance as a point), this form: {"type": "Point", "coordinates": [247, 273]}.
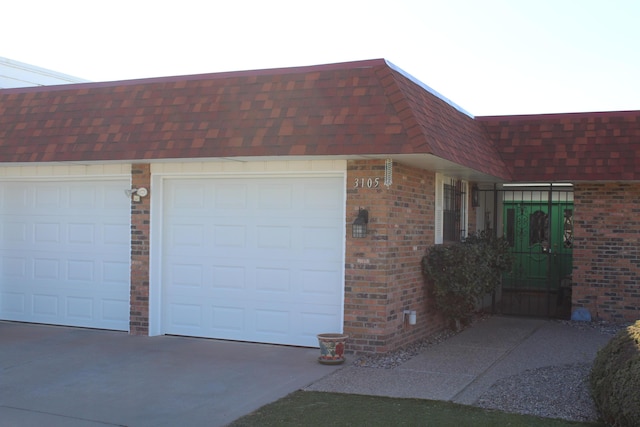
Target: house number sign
{"type": "Point", "coordinates": [366, 183]}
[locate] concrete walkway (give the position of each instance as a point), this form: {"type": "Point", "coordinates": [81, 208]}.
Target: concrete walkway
{"type": "Point", "coordinates": [460, 369]}
{"type": "Point", "coordinates": [56, 376]}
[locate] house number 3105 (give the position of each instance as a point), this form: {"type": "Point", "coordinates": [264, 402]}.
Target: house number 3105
{"type": "Point", "coordinates": [366, 183]}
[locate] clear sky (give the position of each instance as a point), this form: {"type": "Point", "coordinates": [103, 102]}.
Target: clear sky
{"type": "Point", "coordinates": [488, 56]}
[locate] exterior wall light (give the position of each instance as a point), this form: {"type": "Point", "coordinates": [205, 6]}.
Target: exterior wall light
{"type": "Point", "coordinates": [136, 193]}
{"type": "Point", "coordinates": [359, 226]}
{"type": "Point", "coordinates": [475, 196]}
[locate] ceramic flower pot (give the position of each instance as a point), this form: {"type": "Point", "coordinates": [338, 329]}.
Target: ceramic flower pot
{"type": "Point", "coordinates": [332, 348]}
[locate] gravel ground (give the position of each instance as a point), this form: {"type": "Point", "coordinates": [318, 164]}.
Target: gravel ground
{"type": "Point", "coordinates": [397, 357]}
{"type": "Point", "coordinates": [553, 391]}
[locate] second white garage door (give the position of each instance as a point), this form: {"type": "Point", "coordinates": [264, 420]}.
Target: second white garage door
{"type": "Point", "coordinates": [253, 259]}
{"type": "Point", "coordinates": [65, 252]}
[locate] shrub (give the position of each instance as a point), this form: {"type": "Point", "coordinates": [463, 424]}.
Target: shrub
{"type": "Point", "coordinates": [615, 378]}
{"type": "Point", "coordinates": [462, 273]}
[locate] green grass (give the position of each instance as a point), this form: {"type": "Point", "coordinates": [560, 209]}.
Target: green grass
{"type": "Point", "coordinates": [305, 408]}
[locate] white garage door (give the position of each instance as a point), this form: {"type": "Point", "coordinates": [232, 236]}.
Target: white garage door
{"type": "Point", "coordinates": [64, 255]}
{"type": "Point", "coordinates": [253, 259]}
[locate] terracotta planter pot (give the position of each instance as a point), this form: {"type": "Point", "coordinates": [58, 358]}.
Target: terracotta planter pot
{"type": "Point", "coordinates": [332, 348]}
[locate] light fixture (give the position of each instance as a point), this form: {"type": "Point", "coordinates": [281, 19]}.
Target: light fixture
{"type": "Point", "coordinates": [136, 193]}
{"type": "Point", "coordinates": [359, 226]}
{"type": "Point", "coordinates": [475, 196]}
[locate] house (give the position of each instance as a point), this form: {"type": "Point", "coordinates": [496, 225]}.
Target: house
{"type": "Point", "coordinates": [223, 205]}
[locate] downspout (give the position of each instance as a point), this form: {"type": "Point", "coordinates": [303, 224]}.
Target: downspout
{"type": "Point", "coordinates": [550, 253]}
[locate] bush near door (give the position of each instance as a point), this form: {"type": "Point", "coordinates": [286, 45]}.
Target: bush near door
{"type": "Point", "coordinates": [615, 378]}
{"type": "Point", "coordinates": [462, 273]}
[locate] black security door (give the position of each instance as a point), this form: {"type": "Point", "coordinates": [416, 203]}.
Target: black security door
{"type": "Point", "coordinates": [538, 224]}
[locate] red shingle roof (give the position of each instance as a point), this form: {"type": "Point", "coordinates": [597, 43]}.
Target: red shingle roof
{"type": "Point", "coordinates": [357, 108]}
{"type": "Point", "coordinates": [448, 133]}
{"type": "Point", "coordinates": [364, 107]}
{"type": "Point", "coordinates": [569, 147]}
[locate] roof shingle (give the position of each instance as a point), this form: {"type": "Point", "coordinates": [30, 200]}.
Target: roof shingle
{"type": "Point", "coordinates": [569, 147]}
{"type": "Point", "coordinates": [358, 108]}
{"type": "Point", "coordinates": [363, 107]}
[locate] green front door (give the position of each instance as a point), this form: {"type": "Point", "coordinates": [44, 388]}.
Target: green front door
{"type": "Point", "coordinates": [540, 235]}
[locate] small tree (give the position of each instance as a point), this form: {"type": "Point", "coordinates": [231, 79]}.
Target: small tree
{"type": "Point", "coordinates": [462, 273]}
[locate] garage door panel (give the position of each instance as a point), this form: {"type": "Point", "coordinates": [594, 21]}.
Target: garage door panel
{"type": "Point", "coordinates": [48, 197]}
{"type": "Point", "coordinates": [46, 269]}
{"type": "Point", "coordinates": [15, 198]}
{"type": "Point", "coordinates": [272, 325]}
{"type": "Point", "coordinates": [274, 237]}
{"type": "Point", "coordinates": [325, 238]}
{"type": "Point", "coordinates": [230, 197]}
{"type": "Point", "coordinates": [186, 315]}
{"type": "Point", "coordinates": [186, 234]}
{"type": "Point", "coordinates": [317, 283]}
{"type": "Point", "coordinates": [82, 233]}
{"type": "Point", "coordinates": [229, 236]}
{"type": "Point", "coordinates": [115, 273]}
{"type": "Point", "coordinates": [187, 196]}
{"type": "Point", "coordinates": [46, 305]}
{"type": "Point", "coordinates": [266, 248]}
{"type": "Point", "coordinates": [65, 253]}
{"type": "Point", "coordinates": [114, 310]}
{"type": "Point", "coordinates": [81, 270]}
{"type": "Point", "coordinates": [271, 280]}
{"type": "Point", "coordinates": [320, 198]}
{"type": "Point", "coordinates": [13, 303]}
{"type": "Point", "coordinates": [80, 308]}
{"type": "Point", "coordinates": [13, 230]}
{"type": "Point", "coordinates": [47, 234]}
{"type": "Point", "coordinates": [310, 316]}
{"type": "Point", "coordinates": [115, 235]}
{"type": "Point", "coordinates": [228, 321]}
{"type": "Point", "coordinates": [229, 276]}
{"type": "Point", "coordinates": [13, 267]}
{"type": "Point", "coordinates": [186, 275]}
{"type": "Point", "coordinates": [274, 197]}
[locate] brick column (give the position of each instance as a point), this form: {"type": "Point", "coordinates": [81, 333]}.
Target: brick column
{"type": "Point", "coordinates": [140, 212]}
{"type": "Point", "coordinates": [383, 275]}
{"type": "Point", "coordinates": [606, 250]}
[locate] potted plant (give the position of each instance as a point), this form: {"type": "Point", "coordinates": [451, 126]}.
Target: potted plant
{"type": "Point", "coordinates": [332, 348]}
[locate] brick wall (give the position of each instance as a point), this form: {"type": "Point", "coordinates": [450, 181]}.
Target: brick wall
{"type": "Point", "coordinates": [139, 299]}
{"type": "Point", "coordinates": [382, 273]}
{"type": "Point", "coordinates": [606, 253]}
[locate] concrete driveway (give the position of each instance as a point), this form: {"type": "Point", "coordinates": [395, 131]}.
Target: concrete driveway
{"type": "Point", "coordinates": [58, 376]}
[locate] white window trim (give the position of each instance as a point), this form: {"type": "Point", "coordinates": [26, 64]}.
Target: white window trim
{"type": "Point", "coordinates": [439, 202]}
{"type": "Point", "coordinates": [439, 207]}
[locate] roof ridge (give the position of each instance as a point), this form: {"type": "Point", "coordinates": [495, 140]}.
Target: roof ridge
{"type": "Point", "coordinates": [466, 141]}
{"type": "Point", "coordinates": [400, 110]}
{"type": "Point", "coordinates": [368, 63]}
{"type": "Point", "coordinates": [428, 88]}
{"type": "Point", "coordinates": [547, 116]}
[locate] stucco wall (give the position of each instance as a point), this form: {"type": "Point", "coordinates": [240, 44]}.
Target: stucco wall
{"type": "Point", "coordinates": [383, 273]}
{"type": "Point", "coordinates": [607, 250]}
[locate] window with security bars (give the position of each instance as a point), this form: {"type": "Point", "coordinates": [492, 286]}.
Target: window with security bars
{"type": "Point", "coordinates": [453, 211]}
